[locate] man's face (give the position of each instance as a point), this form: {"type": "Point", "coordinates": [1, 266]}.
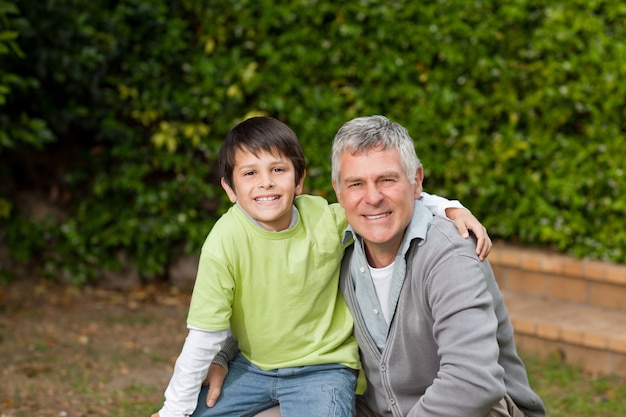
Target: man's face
{"type": "Point", "coordinates": [265, 187]}
{"type": "Point", "coordinates": [378, 199]}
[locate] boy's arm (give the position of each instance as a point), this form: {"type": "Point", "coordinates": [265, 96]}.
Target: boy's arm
{"type": "Point", "coordinates": [181, 395]}
{"type": "Point", "coordinates": [463, 219]}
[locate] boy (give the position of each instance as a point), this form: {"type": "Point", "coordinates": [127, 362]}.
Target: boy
{"type": "Point", "coordinates": [269, 271]}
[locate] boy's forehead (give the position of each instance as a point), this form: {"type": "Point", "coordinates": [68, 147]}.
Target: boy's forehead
{"type": "Point", "coordinates": [245, 153]}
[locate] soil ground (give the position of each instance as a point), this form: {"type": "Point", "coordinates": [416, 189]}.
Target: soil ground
{"type": "Point", "coordinates": [69, 352]}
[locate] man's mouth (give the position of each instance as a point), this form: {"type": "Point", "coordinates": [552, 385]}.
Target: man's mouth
{"type": "Point", "coordinates": [378, 216]}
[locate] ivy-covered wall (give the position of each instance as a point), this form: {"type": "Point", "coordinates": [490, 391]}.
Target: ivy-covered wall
{"type": "Point", "coordinates": [114, 112]}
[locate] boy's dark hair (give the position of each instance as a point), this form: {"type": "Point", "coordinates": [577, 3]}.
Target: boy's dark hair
{"type": "Point", "coordinates": [256, 135]}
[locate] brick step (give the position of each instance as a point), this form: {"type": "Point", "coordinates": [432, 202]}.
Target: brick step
{"type": "Point", "coordinates": [592, 337]}
{"type": "Point", "coordinates": [559, 278]}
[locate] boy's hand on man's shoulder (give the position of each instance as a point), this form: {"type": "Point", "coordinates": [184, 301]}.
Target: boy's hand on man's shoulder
{"type": "Point", "coordinates": [465, 222]}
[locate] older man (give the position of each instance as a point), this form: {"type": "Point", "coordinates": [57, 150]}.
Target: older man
{"type": "Point", "coordinates": [430, 321]}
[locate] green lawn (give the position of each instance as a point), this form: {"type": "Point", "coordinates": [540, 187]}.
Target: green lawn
{"type": "Point", "coordinates": [567, 391]}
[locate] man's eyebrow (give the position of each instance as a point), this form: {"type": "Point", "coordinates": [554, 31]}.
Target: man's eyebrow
{"type": "Point", "coordinates": [386, 174]}
{"type": "Point", "coordinates": [389, 174]}
{"type": "Point", "coordinates": [352, 179]}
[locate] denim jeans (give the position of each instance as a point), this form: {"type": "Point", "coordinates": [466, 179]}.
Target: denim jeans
{"type": "Point", "coordinates": [314, 391]}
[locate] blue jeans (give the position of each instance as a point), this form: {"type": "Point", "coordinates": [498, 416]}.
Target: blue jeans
{"type": "Point", "coordinates": [314, 391]}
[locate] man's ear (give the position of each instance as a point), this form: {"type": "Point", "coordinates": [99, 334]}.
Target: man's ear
{"type": "Point", "coordinates": [419, 178]}
{"type": "Point", "coordinates": [232, 195]}
{"type": "Point", "coordinates": [337, 192]}
{"type": "Point", "coordinates": [300, 184]}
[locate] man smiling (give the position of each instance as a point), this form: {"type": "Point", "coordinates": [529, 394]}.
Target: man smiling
{"type": "Point", "coordinates": [432, 328]}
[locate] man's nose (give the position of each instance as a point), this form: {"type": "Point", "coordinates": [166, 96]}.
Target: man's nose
{"type": "Point", "coordinates": [373, 195]}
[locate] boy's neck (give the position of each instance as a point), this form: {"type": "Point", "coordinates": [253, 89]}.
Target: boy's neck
{"type": "Point", "coordinates": [294, 218]}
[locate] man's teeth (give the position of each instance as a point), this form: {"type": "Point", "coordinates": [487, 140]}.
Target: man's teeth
{"type": "Point", "coordinates": [378, 216]}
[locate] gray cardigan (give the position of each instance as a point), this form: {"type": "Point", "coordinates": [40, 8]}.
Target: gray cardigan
{"type": "Point", "coordinates": [450, 349]}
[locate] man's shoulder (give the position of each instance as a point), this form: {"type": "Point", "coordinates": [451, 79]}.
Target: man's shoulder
{"type": "Point", "coordinates": [444, 235]}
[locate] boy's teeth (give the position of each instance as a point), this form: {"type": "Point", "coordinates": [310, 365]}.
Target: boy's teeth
{"type": "Point", "coordinates": [262, 199]}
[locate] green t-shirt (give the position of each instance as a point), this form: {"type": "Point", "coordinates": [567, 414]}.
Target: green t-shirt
{"type": "Point", "coordinates": [278, 291]}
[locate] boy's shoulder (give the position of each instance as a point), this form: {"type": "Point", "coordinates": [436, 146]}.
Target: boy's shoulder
{"type": "Point", "coordinates": [229, 224]}
{"type": "Point", "coordinates": [308, 201]}
{"type": "Point", "coordinates": [317, 210]}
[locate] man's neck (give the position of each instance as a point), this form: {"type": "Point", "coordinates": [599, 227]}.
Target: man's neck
{"type": "Point", "coordinates": [380, 257]}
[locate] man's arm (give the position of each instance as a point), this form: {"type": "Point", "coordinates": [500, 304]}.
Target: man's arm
{"type": "Point", "coordinates": [464, 329]}
{"type": "Point", "coordinates": [463, 219]}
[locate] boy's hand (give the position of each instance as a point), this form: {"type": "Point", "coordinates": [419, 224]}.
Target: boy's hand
{"type": "Point", "coordinates": [466, 222]}
{"type": "Point", "coordinates": [214, 380]}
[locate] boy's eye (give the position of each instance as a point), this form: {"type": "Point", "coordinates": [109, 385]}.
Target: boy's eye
{"type": "Point", "coordinates": [248, 173]}
{"type": "Point", "coordinates": [278, 169]}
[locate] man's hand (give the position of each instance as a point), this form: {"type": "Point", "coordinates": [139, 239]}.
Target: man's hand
{"type": "Point", "coordinates": [466, 222]}
{"type": "Point", "coordinates": [214, 380]}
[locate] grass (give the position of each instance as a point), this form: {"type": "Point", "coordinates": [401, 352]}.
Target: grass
{"type": "Point", "coordinates": [567, 391]}
{"type": "Point", "coordinates": [132, 401]}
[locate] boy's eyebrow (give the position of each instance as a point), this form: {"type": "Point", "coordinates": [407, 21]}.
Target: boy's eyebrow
{"type": "Point", "coordinates": [255, 165]}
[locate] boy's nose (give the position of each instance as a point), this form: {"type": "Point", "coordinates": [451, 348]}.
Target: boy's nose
{"type": "Point", "coordinates": [266, 182]}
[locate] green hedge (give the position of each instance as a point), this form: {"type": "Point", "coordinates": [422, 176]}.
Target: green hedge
{"type": "Point", "coordinates": [517, 109]}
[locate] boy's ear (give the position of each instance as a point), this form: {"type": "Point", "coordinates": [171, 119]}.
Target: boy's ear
{"type": "Point", "coordinates": [300, 184]}
{"type": "Point", "coordinates": [232, 195]}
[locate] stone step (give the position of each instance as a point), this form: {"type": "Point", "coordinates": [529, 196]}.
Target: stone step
{"type": "Point", "coordinates": [592, 337]}
{"type": "Point", "coordinates": [560, 304]}
{"type": "Point", "coordinates": [559, 278]}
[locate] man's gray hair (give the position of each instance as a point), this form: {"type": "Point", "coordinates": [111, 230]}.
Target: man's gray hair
{"type": "Point", "coordinates": [363, 134]}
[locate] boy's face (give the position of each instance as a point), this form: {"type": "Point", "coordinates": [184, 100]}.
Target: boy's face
{"type": "Point", "coordinates": [265, 187]}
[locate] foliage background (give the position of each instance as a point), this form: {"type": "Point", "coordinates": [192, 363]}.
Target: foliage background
{"type": "Point", "coordinates": [112, 114]}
